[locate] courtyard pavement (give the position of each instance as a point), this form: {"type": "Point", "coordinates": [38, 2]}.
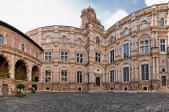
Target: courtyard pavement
{"type": "Point", "coordinates": [86, 102]}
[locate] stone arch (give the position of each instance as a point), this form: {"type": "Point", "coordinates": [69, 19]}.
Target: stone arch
{"type": "Point", "coordinates": [4, 67]}
{"type": "Point", "coordinates": [35, 73]}
{"type": "Point", "coordinates": [20, 70]}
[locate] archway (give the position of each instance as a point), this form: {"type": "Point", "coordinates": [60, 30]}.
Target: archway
{"type": "Point", "coordinates": [3, 66]}
{"type": "Point", "coordinates": [35, 74]}
{"type": "Point", "coordinates": [20, 70]}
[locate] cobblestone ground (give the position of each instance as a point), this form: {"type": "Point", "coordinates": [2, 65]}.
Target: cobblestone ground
{"type": "Point", "coordinates": [86, 102]}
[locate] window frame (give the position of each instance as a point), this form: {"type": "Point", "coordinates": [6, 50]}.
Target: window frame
{"type": "Point", "coordinates": [98, 40]}
{"type": "Point", "coordinates": [144, 24]}
{"type": "Point", "coordinates": [3, 38]}
{"type": "Point", "coordinates": [125, 31]}
{"type": "Point", "coordinates": [48, 39]}
{"type": "Point", "coordinates": [97, 57]}
{"type": "Point", "coordinates": [79, 57]}
{"type": "Point", "coordinates": [64, 76]}
{"type": "Point", "coordinates": [144, 45]}
{"type": "Point", "coordinates": [64, 39]}
{"type": "Point", "coordinates": [112, 58]}
{"type": "Point", "coordinates": [114, 76]}
{"type": "Point", "coordinates": [129, 50]}
{"type": "Point", "coordinates": [49, 76]}
{"type": "Point", "coordinates": [162, 44]}
{"type": "Point", "coordinates": [48, 55]}
{"type": "Point", "coordinates": [64, 56]}
{"type": "Point", "coordinates": [129, 73]}
{"type": "Point", "coordinates": [141, 73]}
{"type": "Point", "coordinates": [79, 77]}
{"type": "Point", "coordinates": [162, 22]}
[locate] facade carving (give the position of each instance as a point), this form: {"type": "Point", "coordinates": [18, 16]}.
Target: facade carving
{"type": "Point", "coordinates": [131, 55]}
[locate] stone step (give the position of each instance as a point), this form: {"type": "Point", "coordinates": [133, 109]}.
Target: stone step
{"type": "Point", "coordinates": [163, 90]}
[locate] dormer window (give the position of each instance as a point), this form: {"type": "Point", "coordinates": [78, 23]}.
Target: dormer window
{"type": "Point", "coordinates": [79, 41]}
{"type": "Point", "coordinates": [125, 31]}
{"type": "Point", "coordinates": [162, 22]}
{"type": "Point", "coordinates": [97, 40]}
{"type": "Point", "coordinates": [144, 24]}
{"type": "Point", "coordinates": [64, 39]}
{"type": "Point", "coordinates": [2, 39]}
{"type": "Point", "coordinates": [48, 39]}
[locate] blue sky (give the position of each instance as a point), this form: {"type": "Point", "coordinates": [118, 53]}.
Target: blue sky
{"type": "Point", "coordinates": [30, 14]}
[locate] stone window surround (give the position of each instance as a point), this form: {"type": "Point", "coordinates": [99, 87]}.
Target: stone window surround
{"type": "Point", "coordinates": [144, 45]}
{"type": "Point", "coordinates": [127, 65]}
{"type": "Point", "coordinates": [113, 69]}
{"type": "Point", "coordinates": [129, 48]}
{"type": "Point", "coordinates": [65, 77]}
{"type": "Point", "coordinates": [110, 55]}
{"type": "Point", "coordinates": [48, 56]}
{"type": "Point", "coordinates": [140, 70]}
{"type": "Point", "coordinates": [80, 57]}
{"type": "Point", "coordinates": [77, 76]}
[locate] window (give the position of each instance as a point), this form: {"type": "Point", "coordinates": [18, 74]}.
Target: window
{"type": "Point", "coordinates": [1, 39]}
{"type": "Point", "coordinates": [97, 40]}
{"type": "Point", "coordinates": [64, 39]}
{"type": "Point", "coordinates": [112, 56]}
{"type": "Point", "coordinates": [48, 39]}
{"type": "Point", "coordinates": [64, 56]}
{"type": "Point", "coordinates": [112, 76]}
{"type": "Point", "coordinates": [64, 76]}
{"type": "Point", "coordinates": [125, 31]}
{"type": "Point", "coordinates": [144, 46]}
{"type": "Point", "coordinates": [22, 47]}
{"type": "Point", "coordinates": [162, 45]}
{"type": "Point", "coordinates": [48, 56]}
{"type": "Point", "coordinates": [162, 22]}
{"type": "Point", "coordinates": [47, 75]}
{"type": "Point", "coordinates": [126, 52]}
{"type": "Point", "coordinates": [144, 24]}
{"type": "Point", "coordinates": [126, 74]}
{"type": "Point", "coordinates": [79, 41]}
{"type": "Point", "coordinates": [112, 39]}
{"type": "Point", "coordinates": [79, 58]}
{"type": "Point", "coordinates": [145, 71]}
{"type": "Point", "coordinates": [79, 77]}
{"type": "Point", "coordinates": [97, 57]}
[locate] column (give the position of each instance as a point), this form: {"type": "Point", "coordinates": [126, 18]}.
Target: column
{"type": "Point", "coordinates": [12, 67]}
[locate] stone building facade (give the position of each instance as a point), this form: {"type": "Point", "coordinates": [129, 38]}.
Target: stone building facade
{"type": "Point", "coordinates": [131, 55]}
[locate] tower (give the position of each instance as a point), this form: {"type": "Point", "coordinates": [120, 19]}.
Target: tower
{"type": "Point", "coordinates": [87, 16]}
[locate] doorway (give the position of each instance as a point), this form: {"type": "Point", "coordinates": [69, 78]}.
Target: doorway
{"type": "Point", "coordinates": [163, 80]}
{"type": "Point", "coordinates": [5, 90]}
{"type": "Point", "coordinates": [97, 81]}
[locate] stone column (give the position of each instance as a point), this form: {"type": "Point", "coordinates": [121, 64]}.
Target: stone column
{"type": "Point", "coordinates": [29, 72]}
{"type": "Point", "coordinates": [12, 67]}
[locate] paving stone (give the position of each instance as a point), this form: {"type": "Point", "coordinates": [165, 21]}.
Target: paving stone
{"type": "Point", "coordinates": [86, 102]}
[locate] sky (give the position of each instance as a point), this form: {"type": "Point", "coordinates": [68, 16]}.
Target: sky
{"type": "Point", "coordinates": [27, 15]}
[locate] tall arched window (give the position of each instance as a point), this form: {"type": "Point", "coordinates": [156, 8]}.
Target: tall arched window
{"type": "Point", "coordinates": [162, 22]}
{"type": "Point", "coordinates": [79, 41]}
{"type": "Point", "coordinates": [125, 31]}
{"type": "Point", "coordinates": [64, 39]}
{"type": "Point", "coordinates": [144, 24]}
{"type": "Point", "coordinates": [2, 39]}
{"type": "Point", "coordinates": [48, 39]}
{"type": "Point", "coordinates": [97, 40]}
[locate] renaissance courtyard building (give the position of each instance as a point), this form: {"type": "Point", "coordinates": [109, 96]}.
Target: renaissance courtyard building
{"type": "Point", "coordinates": [131, 55]}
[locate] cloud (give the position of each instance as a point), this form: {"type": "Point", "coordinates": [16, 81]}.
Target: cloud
{"type": "Point", "coordinates": [113, 18]}
{"type": "Point", "coordinates": [29, 14]}
{"type": "Point", "coordinates": [152, 2]}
